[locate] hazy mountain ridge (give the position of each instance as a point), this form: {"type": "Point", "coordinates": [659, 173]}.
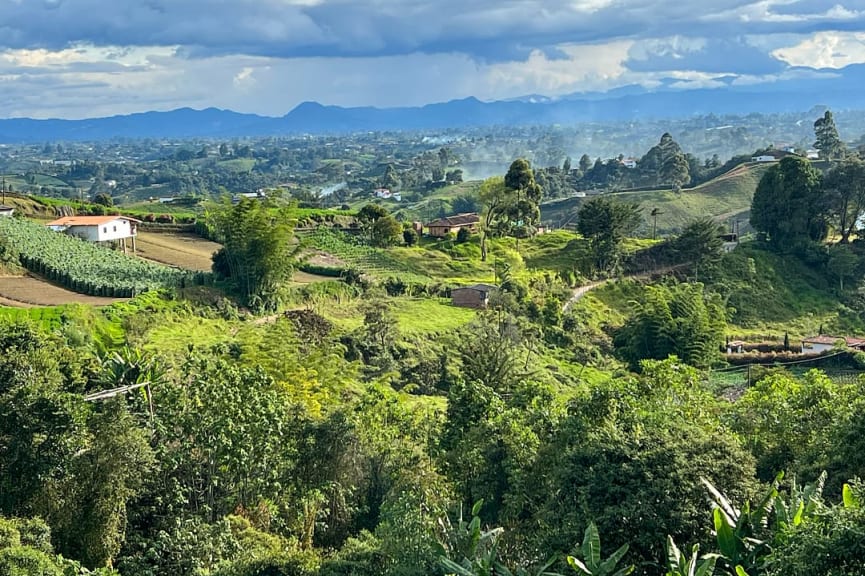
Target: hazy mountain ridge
{"type": "Point", "coordinates": [624, 104]}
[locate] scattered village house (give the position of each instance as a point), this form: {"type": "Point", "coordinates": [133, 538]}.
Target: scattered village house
{"type": "Point", "coordinates": [826, 343]}
{"type": "Point", "coordinates": [444, 226]}
{"type": "Point", "coordinates": [99, 228]}
{"type": "Point", "coordinates": [477, 296]}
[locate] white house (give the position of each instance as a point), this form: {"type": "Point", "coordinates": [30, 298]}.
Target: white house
{"type": "Point", "coordinates": [812, 154]}
{"type": "Point", "coordinates": [6, 210]}
{"type": "Point", "coordinates": [825, 343]}
{"type": "Point", "coordinates": [98, 228]}
{"type": "Point", "coordinates": [629, 163]}
{"type": "Point", "coordinates": [763, 158]}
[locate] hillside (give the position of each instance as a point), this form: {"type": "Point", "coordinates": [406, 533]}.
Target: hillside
{"type": "Point", "coordinates": [725, 198]}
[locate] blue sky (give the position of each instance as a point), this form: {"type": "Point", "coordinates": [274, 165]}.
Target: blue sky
{"type": "Point", "coordinates": [85, 58]}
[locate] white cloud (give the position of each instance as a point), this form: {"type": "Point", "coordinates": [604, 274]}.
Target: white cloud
{"type": "Point", "coordinates": [584, 68]}
{"type": "Point", "coordinates": [825, 50]}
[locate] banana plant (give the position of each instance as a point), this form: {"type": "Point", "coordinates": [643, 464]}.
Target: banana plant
{"type": "Point", "coordinates": [591, 563]}
{"type": "Point", "coordinates": [678, 564]}
{"type": "Point", "coordinates": [479, 549]}
{"type": "Point", "coordinates": [800, 504]}
{"type": "Point", "coordinates": [738, 532]}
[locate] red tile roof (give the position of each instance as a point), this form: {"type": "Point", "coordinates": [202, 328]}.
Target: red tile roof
{"type": "Point", "coordinates": [87, 220]}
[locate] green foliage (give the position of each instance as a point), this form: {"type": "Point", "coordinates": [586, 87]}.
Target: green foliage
{"type": "Point", "coordinates": [679, 564]}
{"type": "Point", "coordinates": [828, 142]}
{"type": "Point", "coordinates": [386, 231]}
{"type": "Point", "coordinates": [844, 191]}
{"type": "Point", "coordinates": [628, 443]}
{"type": "Point", "coordinates": [787, 204]}
{"type": "Point", "coordinates": [699, 245]}
{"type": "Point", "coordinates": [84, 266]}
{"type": "Point", "coordinates": [606, 223]}
{"type": "Point", "coordinates": [592, 564]}
{"type": "Point", "coordinates": [741, 535]}
{"type": "Point", "coordinates": [257, 254]}
{"type": "Point", "coordinates": [677, 319]}
{"type": "Point", "coordinates": [409, 237]}
{"type": "Point", "coordinates": [22, 561]}
{"type": "Point", "coordinates": [830, 542]}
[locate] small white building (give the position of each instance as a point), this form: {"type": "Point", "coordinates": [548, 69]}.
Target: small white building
{"type": "Point", "coordinates": [629, 163]}
{"type": "Point", "coordinates": [763, 158]}
{"type": "Point", "coordinates": [6, 210]}
{"type": "Point", "coordinates": [98, 228]}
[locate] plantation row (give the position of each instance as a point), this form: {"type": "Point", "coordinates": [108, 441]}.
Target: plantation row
{"type": "Point", "coordinates": [370, 260]}
{"type": "Point", "coordinates": [86, 267]}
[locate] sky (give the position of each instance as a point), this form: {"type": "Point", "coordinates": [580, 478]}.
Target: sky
{"type": "Point", "coordinates": [89, 58]}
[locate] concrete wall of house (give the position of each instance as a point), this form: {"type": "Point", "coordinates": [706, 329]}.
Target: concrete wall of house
{"type": "Point", "coordinates": [113, 230]}
{"type": "Point", "coordinates": [439, 231]}
{"type": "Point", "coordinates": [469, 298]}
{"type": "Point", "coordinates": [816, 348]}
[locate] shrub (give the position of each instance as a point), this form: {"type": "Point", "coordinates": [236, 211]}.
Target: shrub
{"type": "Point", "coordinates": [409, 236]}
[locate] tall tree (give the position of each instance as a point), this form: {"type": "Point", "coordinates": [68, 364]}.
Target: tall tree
{"type": "Point", "coordinates": [845, 195]}
{"type": "Point", "coordinates": [787, 204]}
{"type": "Point", "coordinates": [606, 223]}
{"type": "Point", "coordinates": [495, 197]}
{"type": "Point", "coordinates": [524, 212]}
{"type": "Point", "coordinates": [828, 142]}
{"type": "Point", "coordinates": [256, 256]}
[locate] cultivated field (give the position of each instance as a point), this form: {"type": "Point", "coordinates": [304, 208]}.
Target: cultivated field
{"type": "Point", "coordinates": [32, 291]}
{"type": "Point", "coordinates": [186, 251]}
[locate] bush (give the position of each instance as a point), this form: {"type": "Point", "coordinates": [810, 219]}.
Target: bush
{"type": "Point", "coordinates": [463, 235]}
{"type": "Point", "coordinates": [23, 561]}
{"type": "Point", "coordinates": [409, 236]}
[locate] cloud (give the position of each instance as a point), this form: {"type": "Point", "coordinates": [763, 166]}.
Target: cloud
{"type": "Point", "coordinates": [711, 55]}
{"type": "Point", "coordinates": [482, 29]}
{"type": "Point", "coordinates": [265, 56]}
{"type": "Point", "coordinates": [826, 50]}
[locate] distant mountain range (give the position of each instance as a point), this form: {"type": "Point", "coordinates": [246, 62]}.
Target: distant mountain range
{"type": "Point", "coordinates": [630, 103]}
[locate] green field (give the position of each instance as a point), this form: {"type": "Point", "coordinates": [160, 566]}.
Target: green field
{"type": "Point", "coordinates": [725, 198]}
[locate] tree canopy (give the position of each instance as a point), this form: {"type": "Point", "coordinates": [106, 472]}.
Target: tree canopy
{"type": "Point", "coordinates": [788, 204]}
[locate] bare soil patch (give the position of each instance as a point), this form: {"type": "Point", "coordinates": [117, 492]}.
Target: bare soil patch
{"type": "Point", "coordinates": [24, 291]}
{"type": "Point", "coordinates": [186, 251]}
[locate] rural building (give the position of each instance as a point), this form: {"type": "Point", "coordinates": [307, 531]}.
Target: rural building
{"type": "Point", "coordinates": [763, 158]}
{"type": "Point", "coordinates": [98, 228]}
{"type": "Point", "coordinates": [729, 242]}
{"type": "Point", "coordinates": [826, 343]}
{"type": "Point", "coordinates": [6, 210]}
{"type": "Point", "coordinates": [444, 226]}
{"type": "Point", "coordinates": [736, 346]}
{"type": "Point", "coordinates": [629, 163]}
{"type": "Point", "coordinates": [477, 296]}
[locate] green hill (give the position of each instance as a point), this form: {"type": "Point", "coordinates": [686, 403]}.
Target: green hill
{"type": "Point", "coordinates": [727, 197]}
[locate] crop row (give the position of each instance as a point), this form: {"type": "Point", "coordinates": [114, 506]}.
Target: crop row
{"type": "Point", "coordinates": [356, 254]}
{"type": "Point", "coordinates": [86, 267]}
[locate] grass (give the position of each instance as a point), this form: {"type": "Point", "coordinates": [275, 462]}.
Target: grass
{"type": "Point", "coordinates": [725, 197]}
{"type": "Point", "coordinates": [414, 316]}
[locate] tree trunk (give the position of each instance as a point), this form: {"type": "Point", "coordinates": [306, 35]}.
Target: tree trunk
{"type": "Point", "coordinates": [484, 246]}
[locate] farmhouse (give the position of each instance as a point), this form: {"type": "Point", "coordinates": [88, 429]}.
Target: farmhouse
{"type": "Point", "coordinates": [444, 226]}
{"type": "Point", "coordinates": [477, 296]}
{"type": "Point", "coordinates": [6, 210]}
{"type": "Point", "coordinates": [825, 343]}
{"type": "Point", "coordinates": [98, 228]}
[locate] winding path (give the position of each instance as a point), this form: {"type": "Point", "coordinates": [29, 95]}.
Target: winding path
{"type": "Point", "coordinates": [581, 291]}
